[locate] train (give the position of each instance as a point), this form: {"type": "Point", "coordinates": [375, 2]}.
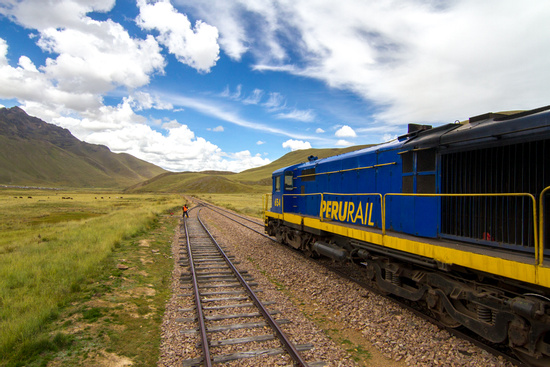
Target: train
{"type": "Point", "coordinates": [454, 217]}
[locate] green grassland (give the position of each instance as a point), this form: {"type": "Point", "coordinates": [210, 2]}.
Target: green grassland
{"type": "Point", "coordinates": [252, 181]}
{"type": "Point", "coordinates": [63, 298]}
{"type": "Point", "coordinates": [54, 247]}
{"type": "Point", "coordinates": [251, 204]}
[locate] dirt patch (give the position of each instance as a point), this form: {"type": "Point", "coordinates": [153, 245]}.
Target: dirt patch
{"type": "Point", "coordinates": [106, 359]}
{"type": "Point", "coordinates": [145, 261]}
{"type": "Point", "coordinates": [142, 291]}
{"type": "Point", "coordinates": [143, 273]}
{"type": "Point", "coordinates": [101, 303]}
{"type": "Point", "coordinates": [116, 317]}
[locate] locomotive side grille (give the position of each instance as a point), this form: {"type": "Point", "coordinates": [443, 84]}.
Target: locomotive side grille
{"type": "Point", "coordinates": [308, 175]}
{"type": "Point", "coordinates": [503, 221]}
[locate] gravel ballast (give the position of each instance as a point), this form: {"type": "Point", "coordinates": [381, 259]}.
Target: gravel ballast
{"type": "Point", "coordinates": [348, 325]}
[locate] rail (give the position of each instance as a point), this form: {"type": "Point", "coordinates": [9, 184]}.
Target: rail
{"type": "Point", "coordinates": [287, 344]}
{"type": "Point", "coordinates": [458, 332]}
{"type": "Point", "coordinates": [200, 315]}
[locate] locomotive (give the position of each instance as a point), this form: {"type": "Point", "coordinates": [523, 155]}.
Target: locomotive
{"type": "Point", "coordinates": [455, 217]}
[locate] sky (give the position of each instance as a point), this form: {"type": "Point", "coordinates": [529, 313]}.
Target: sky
{"type": "Point", "coordinates": [193, 85]}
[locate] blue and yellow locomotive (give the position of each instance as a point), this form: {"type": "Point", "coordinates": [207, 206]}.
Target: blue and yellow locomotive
{"type": "Point", "coordinates": [455, 217]}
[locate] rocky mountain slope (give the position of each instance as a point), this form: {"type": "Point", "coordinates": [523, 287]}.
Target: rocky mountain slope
{"type": "Point", "coordinates": [33, 152]}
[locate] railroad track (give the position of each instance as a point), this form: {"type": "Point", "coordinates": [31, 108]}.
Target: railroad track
{"type": "Point", "coordinates": [459, 333]}
{"type": "Point", "coordinates": [228, 318]}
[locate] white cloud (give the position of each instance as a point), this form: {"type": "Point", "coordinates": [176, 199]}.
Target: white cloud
{"type": "Point", "coordinates": [27, 64]}
{"type": "Point", "coordinates": [196, 47]}
{"type": "Point", "coordinates": [87, 59]}
{"type": "Point", "coordinates": [245, 159]}
{"type": "Point", "coordinates": [123, 131]}
{"type": "Point", "coordinates": [422, 61]}
{"type": "Point", "coordinates": [99, 56]}
{"type": "Point", "coordinates": [40, 14]}
{"type": "Point", "coordinates": [300, 115]}
{"type": "Point", "coordinates": [255, 97]}
{"type": "Point", "coordinates": [215, 109]}
{"type": "Point", "coordinates": [216, 129]}
{"type": "Point", "coordinates": [25, 84]}
{"type": "Point", "coordinates": [343, 143]}
{"type": "Point", "coordinates": [275, 101]}
{"type": "Point", "coordinates": [259, 142]}
{"type": "Point", "coordinates": [172, 124]}
{"type": "Point", "coordinates": [235, 18]}
{"type": "Point", "coordinates": [145, 101]}
{"type": "Point", "coordinates": [380, 129]}
{"type": "Point", "coordinates": [319, 130]}
{"type": "Point", "coordinates": [345, 132]}
{"type": "Point", "coordinates": [296, 144]}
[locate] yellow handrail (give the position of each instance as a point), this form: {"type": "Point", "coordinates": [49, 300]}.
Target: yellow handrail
{"type": "Point", "coordinates": [382, 212]}
{"type": "Point", "coordinates": [266, 202]}
{"type": "Point", "coordinates": [347, 170]}
{"type": "Point", "coordinates": [535, 232]}
{"type": "Point", "coordinates": [283, 197]}
{"type": "Point", "coordinates": [541, 224]}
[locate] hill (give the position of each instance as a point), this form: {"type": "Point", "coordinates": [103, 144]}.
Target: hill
{"type": "Point", "coordinates": [33, 152]}
{"type": "Point", "coordinates": [262, 175]}
{"type": "Point", "coordinates": [251, 181]}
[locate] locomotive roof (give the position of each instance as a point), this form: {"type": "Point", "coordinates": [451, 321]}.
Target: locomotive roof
{"type": "Point", "coordinates": [486, 128]}
{"type": "Point", "coordinates": [380, 147]}
{"type": "Point", "coordinates": [479, 129]}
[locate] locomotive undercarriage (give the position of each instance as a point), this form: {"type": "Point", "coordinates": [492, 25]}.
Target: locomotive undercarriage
{"type": "Point", "coordinates": [499, 311]}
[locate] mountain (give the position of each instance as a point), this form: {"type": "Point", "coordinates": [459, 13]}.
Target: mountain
{"type": "Point", "coordinates": [249, 181]}
{"type": "Point", "coordinates": [33, 152]}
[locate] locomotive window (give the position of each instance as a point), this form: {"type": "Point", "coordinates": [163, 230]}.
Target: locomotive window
{"type": "Point", "coordinates": [289, 181]}
{"type": "Point", "coordinates": [425, 160]}
{"type": "Point", "coordinates": [419, 171]}
{"type": "Point", "coordinates": [308, 174]}
{"type": "Point", "coordinates": [277, 183]}
{"type": "Point", "coordinates": [408, 184]}
{"type": "Point", "coordinates": [407, 162]}
{"type": "Point", "coordinates": [425, 184]}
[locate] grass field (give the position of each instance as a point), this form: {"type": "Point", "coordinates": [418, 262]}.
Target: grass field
{"type": "Point", "coordinates": [58, 257]}
{"type": "Point", "coordinates": [245, 203]}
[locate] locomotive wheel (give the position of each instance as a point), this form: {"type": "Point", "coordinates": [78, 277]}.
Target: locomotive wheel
{"type": "Point", "coordinates": [279, 236]}
{"type": "Point", "coordinates": [532, 361]}
{"type": "Point", "coordinates": [308, 252]}
{"type": "Point", "coordinates": [542, 345]}
{"type": "Point", "coordinates": [434, 304]}
{"type": "Point", "coordinates": [446, 319]}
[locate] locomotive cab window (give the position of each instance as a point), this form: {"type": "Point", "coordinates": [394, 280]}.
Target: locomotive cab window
{"type": "Point", "coordinates": [407, 159]}
{"type": "Point", "coordinates": [277, 183]}
{"type": "Point", "coordinates": [289, 181]}
{"type": "Point", "coordinates": [419, 171]}
{"type": "Point", "coordinates": [425, 160]}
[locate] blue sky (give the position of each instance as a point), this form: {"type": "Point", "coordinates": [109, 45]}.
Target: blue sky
{"type": "Point", "coordinates": [230, 85]}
